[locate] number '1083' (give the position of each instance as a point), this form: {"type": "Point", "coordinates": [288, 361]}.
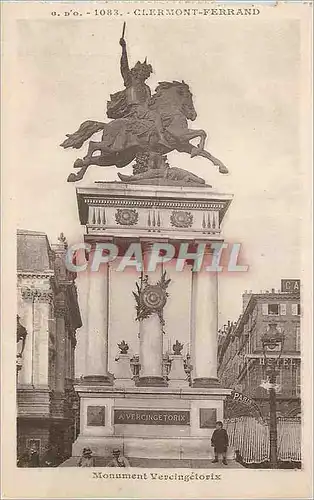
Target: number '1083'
{"type": "Point", "coordinates": [106, 12]}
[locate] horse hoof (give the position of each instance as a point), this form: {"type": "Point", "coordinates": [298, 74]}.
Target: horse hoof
{"type": "Point", "coordinates": [78, 163]}
{"type": "Point", "coordinates": [223, 169]}
{"type": "Point", "coordinates": [72, 178]}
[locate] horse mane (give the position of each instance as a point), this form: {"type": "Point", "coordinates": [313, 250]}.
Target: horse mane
{"type": "Point", "coordinates": [162, 86]}
{"type": "Point", "coordinates": [167, 85]}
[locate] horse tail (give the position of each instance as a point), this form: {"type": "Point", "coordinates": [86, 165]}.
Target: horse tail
{"type": "Point", "coordinates": [86, 130]}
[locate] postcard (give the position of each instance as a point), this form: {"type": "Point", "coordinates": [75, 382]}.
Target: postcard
{"type": "Point", "coordinates": [156, 250]}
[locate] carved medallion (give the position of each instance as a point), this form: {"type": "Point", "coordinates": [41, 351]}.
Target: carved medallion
{"type": "Point", "coordinates": [126, 216]}
{"type": "Point", "coordinates": [151, 298]}
{"type": "Point", "coordinates": [181, 218]}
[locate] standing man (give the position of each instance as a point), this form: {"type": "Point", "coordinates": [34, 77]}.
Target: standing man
{"type": "Point", "coordinates": [33, 456]}
{"type": "Point", "coordinates": [220, 443]}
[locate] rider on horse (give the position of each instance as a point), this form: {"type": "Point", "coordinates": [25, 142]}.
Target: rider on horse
{"type": "Point", "coordinates": [141, 123]}
{"type": "Point", "coordinates": [133, 102]}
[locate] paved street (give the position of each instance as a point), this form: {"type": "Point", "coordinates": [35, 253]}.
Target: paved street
{"type": "Point", "coordinates": [165, 463]}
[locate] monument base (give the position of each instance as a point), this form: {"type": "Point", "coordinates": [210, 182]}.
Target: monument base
{"type": "Point", "coordinates": [152, 420]}
{"type": "Point", "coordinates": [206, 382]}
{"type": "Point", "coordinates": [149, 422]}
{"type": "Point", "coordinates": [151, 382]}
{"type": "Point", "coordinates": [99, 379]}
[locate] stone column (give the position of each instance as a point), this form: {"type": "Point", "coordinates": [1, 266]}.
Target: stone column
{"type": "Point", "coordinates": [204, 326]}
{"type": "Point", "coordinates": [96, 366]}
{"type": "Point", "coordinates": [68, 355]}
{"type": "Point", "coordinates": [60, 350]}
{"type": "Point", "coordinates": [42, 315]}
{"type": "Point", "coordinates": [151, 335]}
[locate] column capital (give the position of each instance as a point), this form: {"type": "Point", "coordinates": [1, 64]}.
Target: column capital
{"type": "Point", "coordinates": [37, 295]}
{"type": "Point", "coordinates": [146, 244]}
{"type": "Point", "coordinates": [208, 250]}
{"type": "Point", "coordinates": [90, 239]}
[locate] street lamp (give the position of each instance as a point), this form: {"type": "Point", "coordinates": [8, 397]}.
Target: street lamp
{"type": "Point", "coordinates": [272, 342]}
{"type": "Point", "coordinates": [21, 334]}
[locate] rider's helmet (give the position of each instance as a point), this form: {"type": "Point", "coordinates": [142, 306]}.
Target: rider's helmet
{"type": "Point", "coordinates": [142, 71]}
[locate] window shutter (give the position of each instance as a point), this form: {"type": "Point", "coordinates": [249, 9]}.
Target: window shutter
{"type": "Point", "coordinates": [283, 309]}
{"type": "Point", "coordinates": [297, 339]}
{"type": "Point", "coordinates": [294, 309]}
{"type": "Point", "coordinates": [265, 309]}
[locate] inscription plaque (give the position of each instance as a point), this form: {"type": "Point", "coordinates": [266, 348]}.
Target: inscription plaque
{"type": "Point", "coordinates": [96, 415]}
{"type": "Point", "coordinates": [152, 417]}
{"type": "Point", "coordinates": [208, 418]}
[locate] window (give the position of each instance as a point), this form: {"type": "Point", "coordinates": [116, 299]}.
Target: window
{"type": "Point", "coordinates": [33, 444]}
{"type": "Point", "coordinates": [283, 309]}
{"type": "Point", "coordinates": [254, 341]}
{"type": "Point", "coordinates": [279, 381]}
{"type": "Point", "coordinates": [273, 309]}
{"type": "Point", "coordinates": [297, 339]}
{"type": "Point", "coordinates": [298, 382]}
{"type": "Point", "coordinates": [295, 309]}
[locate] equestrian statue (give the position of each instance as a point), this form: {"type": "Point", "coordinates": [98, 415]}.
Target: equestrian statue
{"type": "Point", "coordinates": [142, 126]}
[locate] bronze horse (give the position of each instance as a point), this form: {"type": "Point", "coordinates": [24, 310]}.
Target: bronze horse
{"type": "Point", "coordinates": [123, 138]}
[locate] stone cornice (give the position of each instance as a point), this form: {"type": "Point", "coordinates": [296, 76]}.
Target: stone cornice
{"type": "Point", "coordinates": [117, 195]}
{"type": "Point", "coordinates": [152, 203]}
{"type": "Point", "coordinates": [35, 274]}
{"type": "Point", "coordinates": [151, 392]}
{"type": "Point", "coordinates": [124, 211]}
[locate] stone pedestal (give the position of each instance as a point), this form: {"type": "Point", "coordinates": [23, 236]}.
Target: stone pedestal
{"type": "Point", "coordinates": [123, 373]}
{"type": "Point", "coordinates": [161, 416]}
{"type": "Point", "coordinates": [151, 353]}
{"type": "Point", "coordinates": [149, 422]}
{"type": "Point", "coordinates": [177, 375]}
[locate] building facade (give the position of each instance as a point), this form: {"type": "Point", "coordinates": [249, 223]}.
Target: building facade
{"type": "Point", "coordinates": [48, 317]}
{"type": "Point", "coordinates": [241, 363]}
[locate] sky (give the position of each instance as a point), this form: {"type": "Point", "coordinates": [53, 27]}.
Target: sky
{"type": "Point", "coordinates": [244, 76]}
